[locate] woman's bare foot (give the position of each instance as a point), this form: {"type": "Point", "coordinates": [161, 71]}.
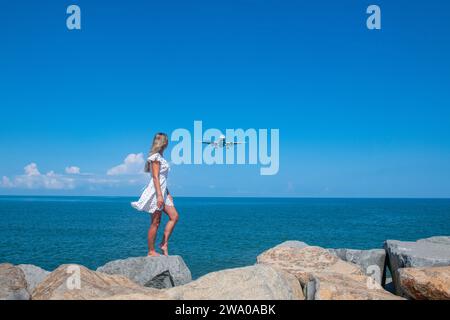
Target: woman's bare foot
{"type": "Point", "coordinates": [153, 254]}
{"type": "Point", "coordinates": [164, 248]}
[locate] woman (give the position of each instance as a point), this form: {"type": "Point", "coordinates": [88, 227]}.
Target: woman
{"type": "Point", "coordinates": [156, 197]}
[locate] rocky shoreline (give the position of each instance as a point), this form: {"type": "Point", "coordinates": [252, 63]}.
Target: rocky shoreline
{"type": "Point", "coordinates": [292, 270]}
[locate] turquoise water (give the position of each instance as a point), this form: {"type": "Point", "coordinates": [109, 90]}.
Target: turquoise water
{"type": "Point", "coordinates": [212, 233]}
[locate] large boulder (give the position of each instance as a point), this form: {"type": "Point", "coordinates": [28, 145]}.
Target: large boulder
{"type": "Point", "coordinates": [430, 252]}
{"type": "Point", "coordinates": [33, 275]}
{"type": "Point", "coordinates": [256, 282]}
{"type": "Point", "coordinates": [76, 282]}
{"type": "Point", "coordinates": [155, 272]}
{"type": "Point", "coordinates": [305, 261]}
{"type": "Point", "coordinates": [322, 274]}
{"type": "Point", "coordinates": [13, 285]}
{"type": "Point", "coordinates": [292, 244]}
{"type": "Point", "coordinates": [445, 240]}
{"type": "Point", "coordinates": [136, 296]}
{"type": "Point", "coordinates": [336, 286]}
{"type": "Point", "coordinates": [431, 283]}
{"type": "Point", "coordinates": [371, 261]}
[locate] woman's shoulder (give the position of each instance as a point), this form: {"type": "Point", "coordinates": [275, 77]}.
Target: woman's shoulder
{"type": "Point", "coordinates": [155, 157]}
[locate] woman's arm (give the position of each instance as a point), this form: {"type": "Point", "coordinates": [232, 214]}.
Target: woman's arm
{"type": "Point", "coordinates": [155, 175]}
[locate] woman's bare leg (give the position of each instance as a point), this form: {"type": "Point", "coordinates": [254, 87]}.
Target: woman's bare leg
{"type": "Point", "coordinates": [173, 218]}
{"type": "Point", "coordinates": [156, 219]}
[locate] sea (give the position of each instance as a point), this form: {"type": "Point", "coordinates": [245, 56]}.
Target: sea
{"type": "Point", "coordinates": [211, 234]}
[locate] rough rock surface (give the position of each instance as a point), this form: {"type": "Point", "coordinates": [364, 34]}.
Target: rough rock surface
{"type": "Point", "coordinates": [323, 275]}
{"type": "Point", "coordinates": [156, 272]}
{"type": "Point", "coordinates": [135, 296]}
{"type": "Point", "coordinates": [336, 286]}
{"type": "Point", "coordinates": [303, 262]}
{"type": "Point", "coordinates": [13, 285]}
{"type": "Point", "coordinates": [292, 244]}
{"type": "Point", "coordinates": [257, 282]}
{"type": "Point", "coordinates": [431, 283]}
{"type": "Point", "coordinates": [445, 240]}
{"type": "Point", "coordinates": [33, 275]}
{"type": "Point", "coordinates": [371, 261]}
{"type": "Point", "coordinates": [430, 252]}
{"type": "Point", "coordinates": [75, 282]}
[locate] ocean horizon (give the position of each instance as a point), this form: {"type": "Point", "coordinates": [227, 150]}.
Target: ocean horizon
{"type": "Point", "coordinates": [213, 233]}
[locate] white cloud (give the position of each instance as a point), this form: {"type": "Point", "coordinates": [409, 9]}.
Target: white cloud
{"type": "Point", "coordinates": [32, 170]}
{"type": "Point", "coordinates": [33, 179]}
{"type": "Point", "coordinates": [6, 182]}
{"type": "Point", "coordinates": [72, 170]}
{"type": "Point", "coordinates": [133, 164]}
{"type": "Point", "coordinates": [129, 173]}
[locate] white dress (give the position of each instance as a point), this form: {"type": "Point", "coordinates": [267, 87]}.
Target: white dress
{"type": "Point", "coordinates": [148, 200]}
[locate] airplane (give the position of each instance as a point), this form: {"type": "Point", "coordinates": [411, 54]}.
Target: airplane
{"type": "Point", "coordinates": [221, 142]}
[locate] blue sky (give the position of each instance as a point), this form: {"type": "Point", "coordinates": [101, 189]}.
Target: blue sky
{"type": "Point", "coordinates": [361, 113]}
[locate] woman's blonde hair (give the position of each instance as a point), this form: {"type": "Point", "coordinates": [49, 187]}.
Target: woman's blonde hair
{"type": "Point", "coordinates": [160, 142]}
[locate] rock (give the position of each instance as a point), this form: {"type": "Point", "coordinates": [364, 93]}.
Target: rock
{"type": "Point", "coordinates": [336, 286]}
{"type": "Point", "coordinates": [389, 285]}
{"type": "Point", "coordinates": [292, 244]}
{"type": "Point", "coordinates": [256, 282]}
{"type": "Point", "coordinates": [156, 272]}
{"type": "Point", "coordinates": [136, 296]}
{"type": "Point", "coordinates": [366, 259]}
{"type": "Point", "coordinates": [431, 283]}
{"type": "Point", "coordinates": [371, 261]}
{"type": "Point", "coordinates": [445, 240]}
{"type": "Point", "coordinates": [33, 275]}
{"type": "Point", "coordinates": [430, 252]}
{"type": "Point", "coordinates": [13, 285]}
{"type": "Point", "coordinates": [305, 261]}
{"type": "Point", "coordinates": [323, 275]}
{"type": "Point", "coordinates": [75, 282]}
